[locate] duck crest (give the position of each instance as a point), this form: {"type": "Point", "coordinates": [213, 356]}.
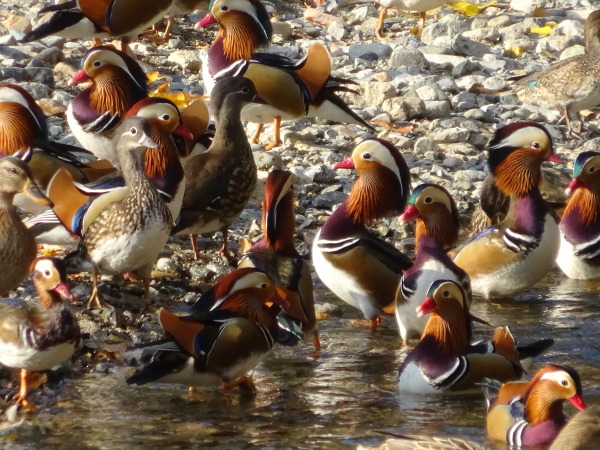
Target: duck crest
{"type": "Point", "coordinates": [370, 198]}
{"type": "Point", "coordinates": [108, 92]}
{"type": "Point", "coordinates": [16, 128]}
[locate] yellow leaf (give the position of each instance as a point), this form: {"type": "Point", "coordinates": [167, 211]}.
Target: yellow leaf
{"type": "Point", "coordinates": [153, 76]}
{"type": "Point", "coordinates": [470, 9]}
{"type": "Point", "coordinates": [416, 31]}
{"type": "Point", "coordinates": [545, 30]}
{"type": "Point", "coordinates": [550, 55]}
{"type": "Point", "coordinates": [539, 12]}
{"type": "Point", "coordinates": [518, 51]}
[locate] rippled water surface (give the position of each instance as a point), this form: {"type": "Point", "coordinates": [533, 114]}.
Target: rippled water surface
{"type": "Point", "coordinates": [343, 399]}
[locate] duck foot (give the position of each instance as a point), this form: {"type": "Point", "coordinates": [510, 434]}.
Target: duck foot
{"type": "Point", "coordinates": [317, 344]}
{"type": "Point", "coordinates": [21, 397]}
{"type": "Point", "coordinates": [245, 384]}
{"type": "Point", "coordinates": [96, 301]}
{"type": "Point", "coordinates": [371, 323]}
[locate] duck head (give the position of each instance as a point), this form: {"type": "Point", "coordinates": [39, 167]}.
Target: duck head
{"type": "Point", "coordinates": [132, 138]}
{"type": "Point", "coordinates": [229, 95]}
{"type": "Point", "coordinates": [15, 178]}
{"type": "Point", "coordinates": [22, 121]}
{"type": "Point", "coordinates": [516, 154]}
{"type": "Point", "coordinates": [585, 187]}
{"type": "Point", "coordinates": [245, 26]}
{"type": "Point", "coordinates": [50, 280]}
{"type": "Point", "coordinates": [245, 292]}
{"type": "Point", "coordinates": [592, 32]}
{"type": "Point", "coordinates": [383, 184]}
{"type": "Point", "coordinates": [278, 211]}
{"type": "Point", "coordinates": [116, 80]}
{"type": "Point", "coordinates": [449, 320]}
{"type": "Point", "coordinates": [549, 389]}
{"type": "Point", "coordinates": [436, 214]}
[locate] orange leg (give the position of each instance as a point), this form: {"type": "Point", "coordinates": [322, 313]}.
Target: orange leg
{"type": "Point", "coordinates": [256, 136]}
{"type": "Point", "coordinates": [276, 134]}
{"type": "Point", "coordinates": [423, 15]}
{"type": "Point", "coordinates": [244, 382]}
{"type": "Point", "coordinates": [374, 322]}
{"type": "Point", "coordinates": [193, 238]}
{"type": "Point", "coordinates": [317, 343]}
{"type": "Point", "coordinates": [21, 397]}
{"type": "Point", "coordinates": [379, 27]}
{"type": "Point", "coordinates": [96, 300]}
{"type": "Point", "coordinates": [167, 33]}
{"type": "Point", "coordinates": [225, 249]}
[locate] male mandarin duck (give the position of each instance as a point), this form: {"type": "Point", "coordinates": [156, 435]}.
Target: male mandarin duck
{"type": "Point", "coordinates": [162, 166]}
{"type": "Point", "coordinates": [419, 442]}
{"type": "Point", "coordinates": [446, 360]}
{"type": "Point", "coordinates": [358, 267]}
{"type": "Point", "coordinates": [288, 90]}
{"type": "Point", "coordinates": [276, 255]}
{"type": "Point", "coordinates": [100, 19]}
{"type": "Point", "coordinates": [579, 254]}
{"type": "Point", "coordinates": [127, 230]}
{"type": "Point", "coordinates": [17, 245]}
{"type": "Point", "coordinates": [505, 259]}
{"type": "Point", "coordinates": [570, 85]}
{"type": "Point", "coordinates": [581, 432]}
{"type": "Point", "coordinates": [436, 214]}
{"type": "Point", "coordinates": [421, 6]}
{"type": "Point", "coordinates": [116, 83]}
{"type": "Point", "coordinates": [531, 414]}
{"type": "Point", "coordinates": [42, 333]}
{"type": "Point", "coordinates": [220, 181]}
{"type": "Point", "coordinates": [219, 345]}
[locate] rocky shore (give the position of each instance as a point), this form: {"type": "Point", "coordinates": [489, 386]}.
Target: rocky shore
{"type": "Point", "coordinates": [437, 97]}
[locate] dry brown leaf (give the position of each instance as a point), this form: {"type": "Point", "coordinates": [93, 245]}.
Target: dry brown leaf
{"type": "Point", "coordinates": [321, 18]}
{"type": "Point", "coordinates": [411, 128]}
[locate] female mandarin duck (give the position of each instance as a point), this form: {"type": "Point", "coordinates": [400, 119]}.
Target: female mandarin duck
{"type": "Point", "coordinates": [39, 334]}
{"type": "Point", "coordinates": [288, 90]}
{"type": "Point", "coordinates": [569, 85]}
{"type": "Point", "coordinates": [446, 360]}
{"type": "Point", "coordinates": [117, 82]}
{"type": "Point", "coordinates": [220, 181]}
{"type": "Point", "coordinates": [218, 346]}
{"type": "Point", "coordinates": [358, 267]}
{"type": "Point", "coordinates": [17, 246]}
{"type": "Point", "coordinates": [581, 432]}
{"type": "Point", "coordinates": [516, 254]}
{"type": "Point", "coordinates": [162, 166]}
{"type": "Point", "coordinates": [531, 414]}
{"type": "Point", "coordinates": [579, 254]}
{"type": "Point", "coordinates": [276, 255]}
{"type": "Point", "coordinates": [436, 214]}
{"type": "Point", "coordinates": [101, 19]}
{"type": "Point", "coordinates": [127, 230]}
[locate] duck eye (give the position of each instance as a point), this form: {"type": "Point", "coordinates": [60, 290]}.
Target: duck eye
{"type": "Point", "coordinates": [97, 63]}
{"type": "Point", "coordinates": [565, 383]}
{"type": "Point", "coordinates": [13, 170]}
{"type": "Point", "coordinates": [165, 117]}
{"type": "Point", "coordinates": [366, 155]}
{"type": "Point", "coordinates": [592, 169]}
{"type": "Point", "coordinates": [47, 272]}
{"type": "Point", "coordinates": [245, 90]}
{"type": "Point", "coordinates": [133, 131]}
{"type": "Point", "coordinates": [428, 199]}
{"type": "Point", "coordinates": [224, 8]}
{"type": "Point", "coordinates": [263, 286]}
{"type": "Point", "coordinates": [536, 145]}
{"type": "Point", "coordinates": [446, 294]}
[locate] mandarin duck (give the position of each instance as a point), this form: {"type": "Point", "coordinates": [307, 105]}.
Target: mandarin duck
{"type": "Point", "coordinates": [419, 442]}
{"type": "Point", "coordinates": [116, 83]}
{"type": "Point", "coordinates": [531, 414]}
{"type": "Point", "coordinates": [17, 245]}
{"type": "Point", "coordinates": [446, 360]}
{"type": "Point", "coordinates": [276, 255]}
{"type": "Point", "coordinates": [421, 6]}
{"type": "Point", "coordinates": [289, 90]}
{"type": "Point", "coordinates": [220, 181]}
{"type": "Point", "coordinates": [216, 346]}
{"type": "Point", "coordinates": [507, 258]}
{"type": "Point", "coordinates": [436, 214]}
{"type": "Point", "coordinates": [100, 19]}
{"type": "Point", "coordinates": [581, 432]}
{"type": "Point", "coordinates": [579, 253]}
{"type": "Point", "coordinates": [570, 85]}
{"type": "Point", "coordinates": [162, 166]}
{"type": "Point", "coordinates": [127, 230]}
{"type": "Point", "coordinates": [358, 267]}
{"type": "Point", "coordinates": [42, 333]}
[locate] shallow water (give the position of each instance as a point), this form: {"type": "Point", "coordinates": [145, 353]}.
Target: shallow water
{"type": "Point", "coordinates": [343, 399]}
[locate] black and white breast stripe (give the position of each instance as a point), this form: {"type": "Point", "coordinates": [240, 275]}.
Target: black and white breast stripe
{"type": "Point", "coordinates": [405, 290]}
{"type": "Point", "coordinates": [514, 435]}
{"type": "Point", "coordinates": [452, 376]}
{"type": "Point", "coordinates": [519, 242]}
{"type": "Point", "coordinates": [337, 246]}
{"type": "Point", "coordinates": [588, 250]}
{"type": "Point", "coordinates": [102, 123]}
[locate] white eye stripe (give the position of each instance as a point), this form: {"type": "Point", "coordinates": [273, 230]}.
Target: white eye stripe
{"type": "Point", "coordinates": [525, 137]}
{"type": "Point", "coordinates": [558, 377]}
{"type": "Point", "coordinates": [44, 265]}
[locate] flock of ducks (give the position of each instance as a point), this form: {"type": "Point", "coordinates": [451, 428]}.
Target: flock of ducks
{"type": "Point", "coordinates": [159, 171]}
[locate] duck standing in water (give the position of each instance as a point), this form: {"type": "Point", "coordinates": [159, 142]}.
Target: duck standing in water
{"type": "Point", "coordinates": [358, 267]}
{"type": "Point", "coordinates": [42, 333]}
{"type": "Point", "coordinates": [508, 258]}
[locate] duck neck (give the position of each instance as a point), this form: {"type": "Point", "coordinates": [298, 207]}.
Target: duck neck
{"type": "Point", "coordinates": [440, 227]}
{"type": "Point", "coordinates": [6, 200]}
{"type": "Point", "coordinates": [527, 213]}
{"type": "Point", "coordinates": [539, 408]}
{"type": "Point", "coordinates": [217, 59]}
{"type": "Point", "coordinates": [133, 169]}
{"type": "Point", "coordinates": [109, 93]}
{"type": "Point", "coordinates": [584, 206]}
{"type": "Point", "coordinates": [230, 130]}
{"type": "Point", "coordinates": [451, 332]}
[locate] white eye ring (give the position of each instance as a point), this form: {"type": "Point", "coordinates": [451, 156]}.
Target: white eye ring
{"type": "Point", "coordinates": [133, 131]}
{"type": "Point", "coordinates": [366, 155]}
{"type": "Point", "coordinates": [536, 145]}
{"type": "Point", "coordinates": [165, 117]}
{"type": "Point", "coordinates": [428, 200]}
{"type": "Point", "coordinates": [97, 63]}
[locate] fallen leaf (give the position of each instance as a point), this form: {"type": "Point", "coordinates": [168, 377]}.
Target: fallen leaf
{"type": "Point", "coordinates": [518, 51]}
{"type": "Point", "coordinates": [539, 12]}
{"type": "Point", "coordinates": [153, 76]}
{"type": "Point", "coordinates": [545, 30]}
{"type": "Point", "coordinates": [470, 9]}
{"type": "Point", "coordinates": [320, 17]}
{"type": "Point", "coordinates": [181, 99]}
{"type": "Point", "coordinates": [411, 128]}
{"type": "Point", "coordinates": [550, 54]}
{"type": "Point", "coordinates": [320, 315]}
